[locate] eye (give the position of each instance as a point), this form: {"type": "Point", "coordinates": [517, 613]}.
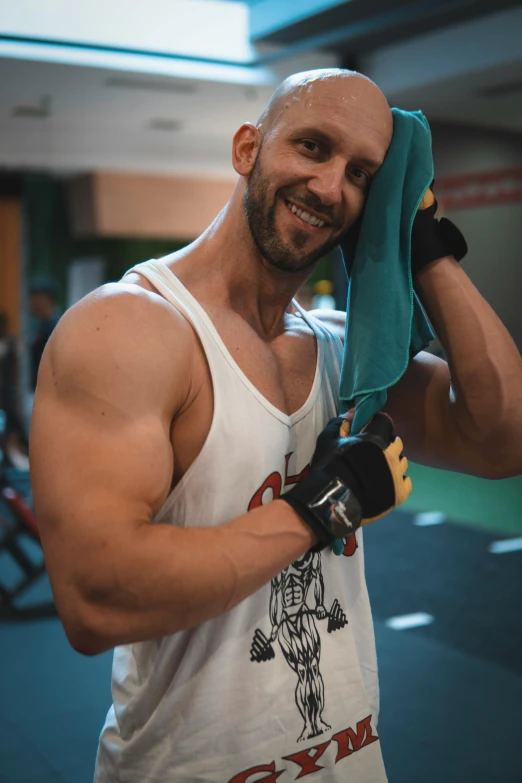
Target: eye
{"type": "Point", "coordinates": [361, 176]}
{"type": "Point", "coordinates": [309, 145]}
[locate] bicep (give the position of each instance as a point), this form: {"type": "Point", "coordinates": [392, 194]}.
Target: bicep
{"type": "Point", "coordinates": [101, 459]}
{"type": "Point", "coordinates": [87, 462]}
{"type": "Point", "coordinates": [421, 406]}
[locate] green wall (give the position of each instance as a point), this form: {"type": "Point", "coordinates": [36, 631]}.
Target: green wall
{"type": "Point", "coordinates": [494, 505]}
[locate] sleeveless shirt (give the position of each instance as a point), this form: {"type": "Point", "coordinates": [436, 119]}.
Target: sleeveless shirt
{"type": "Point", "coordinates": [284, 684]}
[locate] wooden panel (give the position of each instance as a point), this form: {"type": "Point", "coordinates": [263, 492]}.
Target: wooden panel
{"type": "Point", "coordinates": [10, 260]}
{"type": "Point", "coordinates": [109, 204]}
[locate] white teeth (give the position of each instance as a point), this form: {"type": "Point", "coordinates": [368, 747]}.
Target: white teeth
{"type": "Point", "coordinates": [310, 219]}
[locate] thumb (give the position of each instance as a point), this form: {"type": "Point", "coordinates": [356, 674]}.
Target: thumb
{"type": "Point", "coordinates": [346, 423]}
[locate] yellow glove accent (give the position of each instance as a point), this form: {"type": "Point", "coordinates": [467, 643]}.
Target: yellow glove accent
{"type": "Point", "coordinates": [345, 428]}
{"type": "Point", "coordinates": [401, 483]}
{"type": "Point", "coordinates": [398, 467]}
{"type": "Point", "coordinates": [428, 199]}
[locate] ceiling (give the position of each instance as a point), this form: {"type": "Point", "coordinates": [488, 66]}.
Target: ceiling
{"type": "Point", "coordinates": [101, 119]}
{"type": "Point", "coordinates": [73, 118]}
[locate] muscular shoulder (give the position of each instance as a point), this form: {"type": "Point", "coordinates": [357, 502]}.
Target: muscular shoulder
{"type": "Point", "coordinates": [335, 320]}
{"type": "Point", "coordinates": [121, 341]}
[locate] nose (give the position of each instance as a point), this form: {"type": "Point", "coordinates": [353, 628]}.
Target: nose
{"type": "Point", "coordinates": [327, 182]}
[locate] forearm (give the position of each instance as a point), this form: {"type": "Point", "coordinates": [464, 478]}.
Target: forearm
{"type": "Point", "coordinates": [485, 364]}
{"type": "Point", "coordinates": [171, 578]}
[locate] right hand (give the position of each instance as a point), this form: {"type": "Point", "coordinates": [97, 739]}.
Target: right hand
{"type": "Point", "coordinates": [353, 480]}
{"type": "Point", "coordinates": [433, 238]}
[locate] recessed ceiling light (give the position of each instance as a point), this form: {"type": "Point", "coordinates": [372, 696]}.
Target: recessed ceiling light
{"type": "Point", "coordinates": [39, 111]}
{"type": "Point", "coordinates": [164, 124]}
{"type": "Point", "coordinates": [127, 83]}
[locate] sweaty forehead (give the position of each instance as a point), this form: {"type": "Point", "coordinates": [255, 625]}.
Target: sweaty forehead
{"type": "Point", "coordinates": [340, 106]}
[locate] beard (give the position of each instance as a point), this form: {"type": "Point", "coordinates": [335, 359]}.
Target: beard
{"type": "Point", "coordinates": [290, 256]}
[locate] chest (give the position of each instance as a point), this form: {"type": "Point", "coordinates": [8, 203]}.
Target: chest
{"type": "Point", "coordinates": [281, 370]}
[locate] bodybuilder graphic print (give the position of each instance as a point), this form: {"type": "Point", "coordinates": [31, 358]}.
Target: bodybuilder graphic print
{"type": "Point", "coordinates": [296, 603]}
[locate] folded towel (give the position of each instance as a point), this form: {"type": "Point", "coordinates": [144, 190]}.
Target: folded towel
{"type": "Point", "coordinates": [385, 323]}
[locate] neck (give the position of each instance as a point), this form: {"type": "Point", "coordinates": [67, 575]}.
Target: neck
{"type": "Point", "coordinates": [224, 268]}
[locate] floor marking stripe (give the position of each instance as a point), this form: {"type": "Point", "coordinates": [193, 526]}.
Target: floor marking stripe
{"type": "Point", "coordinates": [429, 518]}
{"type": "Point", "coordinates": [506, 545]}
{"type": "Point", "coordinates": [405, 621]}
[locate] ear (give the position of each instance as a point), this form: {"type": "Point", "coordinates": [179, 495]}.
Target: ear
{"type": "Point", "coordinates": [245, 146]}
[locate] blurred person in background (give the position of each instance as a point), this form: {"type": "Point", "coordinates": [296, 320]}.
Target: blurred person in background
{"type": "Point", "coordinates": [14, 434]}
{"type": "Point", "coordinates": [43, 294]}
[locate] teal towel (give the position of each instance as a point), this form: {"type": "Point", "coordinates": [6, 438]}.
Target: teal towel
{"type": "Point", "coordinates": [385, 323]}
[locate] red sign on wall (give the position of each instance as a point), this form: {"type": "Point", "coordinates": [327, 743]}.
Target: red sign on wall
{"type": "Point", "coordinates": [479, 189]}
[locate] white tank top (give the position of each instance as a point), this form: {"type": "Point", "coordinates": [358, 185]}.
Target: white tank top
{"type": "Point", "coordinates": [284, 684]}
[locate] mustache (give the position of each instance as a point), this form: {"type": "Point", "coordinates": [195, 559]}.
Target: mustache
{"type": "Point", "coordinates": [314, 202]}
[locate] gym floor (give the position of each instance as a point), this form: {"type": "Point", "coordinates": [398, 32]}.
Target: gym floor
{"type": "Point", "coordinates": [445, 582]}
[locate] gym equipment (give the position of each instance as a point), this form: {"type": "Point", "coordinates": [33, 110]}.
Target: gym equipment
{"type": "Point", "coordinates": [18, 522]}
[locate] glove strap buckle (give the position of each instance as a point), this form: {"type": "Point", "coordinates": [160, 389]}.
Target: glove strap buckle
{"type": "Point", "coordinates": [337, 509]}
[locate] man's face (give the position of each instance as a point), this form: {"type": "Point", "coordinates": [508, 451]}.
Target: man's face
{"type": "Point", "coordinates": [313, 171]}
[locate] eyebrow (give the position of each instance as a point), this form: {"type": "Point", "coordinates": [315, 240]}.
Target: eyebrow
{"type": "Point", "coordinates": [325, 137]}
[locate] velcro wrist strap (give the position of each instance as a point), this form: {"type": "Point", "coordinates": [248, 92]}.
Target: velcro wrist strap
{"type": "Point", "coordinates": [328, 505]}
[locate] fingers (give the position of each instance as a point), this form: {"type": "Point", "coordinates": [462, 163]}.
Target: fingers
{"type": "Point", "coordinates": [427, 200]}
{"type": "Point", "coordinates": [381, 425]}
{"type": "Point", "coordinates": [333, 426]}
{"type": "Point", "coordinates": [395, 450]}
{"type": "Point", "coordinates": [345, 428]}
{"type": "Point", "coordinates": [327, 440]}
{"type": "Point", "coordinates": [398, 467]}
{"type": "Point", "coordinates": [346, 424]}
{"type": "Point", "coordinates": [403, 491]}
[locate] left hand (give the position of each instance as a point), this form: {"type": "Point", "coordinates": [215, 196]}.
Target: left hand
{"type": "Point", "coordinates": [352, 481]}
{"type": "Point", "coordinates": [348, 449]}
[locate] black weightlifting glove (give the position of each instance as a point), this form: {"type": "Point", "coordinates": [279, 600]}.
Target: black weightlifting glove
{"type": "Point", "coordinates": [432, 238]}
{"type": "Point", "coordinates": [353, 480]}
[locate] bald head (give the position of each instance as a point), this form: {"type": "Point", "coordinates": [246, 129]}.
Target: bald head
{"type": "Point", "coordinates": [309, 163]}
{"type": "Point", "coordinates": [308, 88]}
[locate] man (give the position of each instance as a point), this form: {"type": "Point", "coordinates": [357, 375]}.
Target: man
{"type": "Point", "coordinates": [192, 393]}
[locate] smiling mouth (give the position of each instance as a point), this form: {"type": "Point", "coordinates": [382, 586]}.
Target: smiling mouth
{"type": "Point", "coordinates": [305, 216]}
